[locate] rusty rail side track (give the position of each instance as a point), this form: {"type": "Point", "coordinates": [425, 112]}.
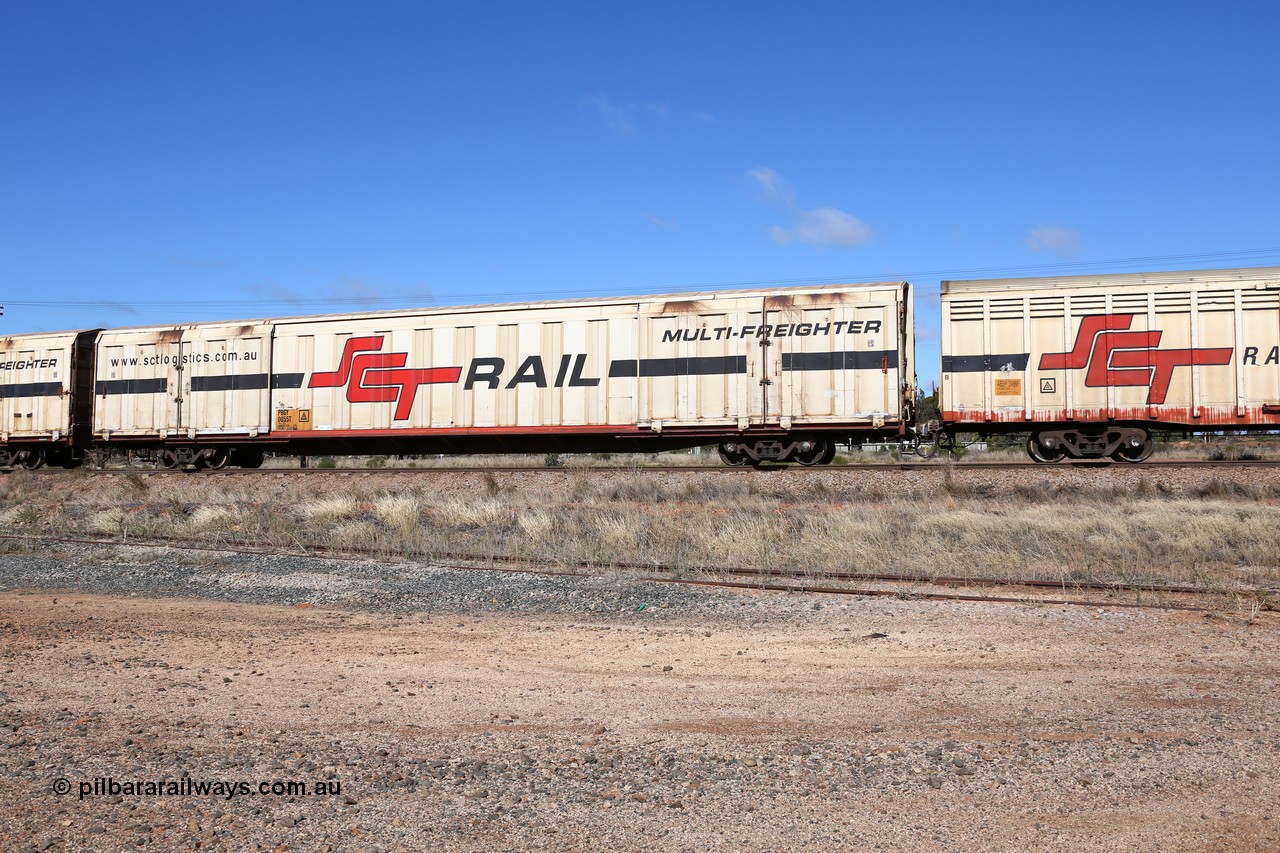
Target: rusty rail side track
{"type": "Point", "coordinates": [534, 565]}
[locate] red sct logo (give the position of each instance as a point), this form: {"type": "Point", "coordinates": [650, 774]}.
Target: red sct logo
{"type": "Point", "coordinates": [381, 377]}
{"type": "Point", "coordinates": [1116, 356]}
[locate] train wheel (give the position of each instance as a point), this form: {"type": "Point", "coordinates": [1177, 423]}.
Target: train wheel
{"type": "Point", "coordinates": [31, 459]}
{"type": "Point", "coordinates": [734, 457]}
{"type": "Point", "coordinates": [829, 455]}
{"type": "Point", "coordinates": [1135, 450]}
{"type": "Point", "coordinates": [946, 442]}
{"type": "Point", "coordinates": [217, 458]}
{"type": "Point", "coordinates": [818, 454]}
{"type": "Point", "coordinates": [1043, 454]}
{"type": "Point", "coordinates": [167, 459]}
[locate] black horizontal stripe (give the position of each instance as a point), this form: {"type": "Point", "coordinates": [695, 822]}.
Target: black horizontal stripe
{"type": "Point", "coordinates": [868, 360]}
{"type": "Point", "coordinates": [31, 389]}
{"type": "Point", "coordinates": [984, 363]}
{"type": "Point", "coordinates": [703, 366]}
{"type": "Point", "coordinates": [132, 386]}
{"type": "Point", "coordinates": [248, 382]}
{"type": "Point", "coordinates": [287, 380]}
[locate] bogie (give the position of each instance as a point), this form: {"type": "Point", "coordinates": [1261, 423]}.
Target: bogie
{"type": "Point", "coordinates": [1091, 441]}
{"type": "Point", "coordinates": [805, 450]}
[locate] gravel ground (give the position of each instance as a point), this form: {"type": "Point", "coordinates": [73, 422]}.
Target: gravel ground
{"type": "Point", "coordinates": [476, 710]}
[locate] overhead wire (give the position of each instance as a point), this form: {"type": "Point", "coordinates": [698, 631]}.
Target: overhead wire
{"type": "Point", "coordinates": [1270, 254]}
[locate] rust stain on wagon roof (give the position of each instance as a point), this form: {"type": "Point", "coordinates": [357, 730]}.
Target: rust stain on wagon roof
{"type": "Point", "coordinates": [687, 306]}
{"type": "Point", "coordinates": [787, 301]}
{"type": "Point", "coordinates": [775, 302]}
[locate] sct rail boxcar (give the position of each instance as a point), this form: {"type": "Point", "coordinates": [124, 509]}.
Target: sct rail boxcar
{"type": "Point", "coordinates": [1089, 365]}
{"type": "Point", "coordinates": [45, 397]}
{"type": "Point", "coordinates": [195, 394]}
{"type": "Point", "coordinates": [779, 374]}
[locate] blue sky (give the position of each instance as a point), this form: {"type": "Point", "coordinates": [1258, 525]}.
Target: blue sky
{"type": "Point", "coordinates": [179, 162]}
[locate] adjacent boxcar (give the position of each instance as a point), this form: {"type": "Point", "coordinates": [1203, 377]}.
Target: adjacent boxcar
{"type": "Point", "coordinates": [1091, 364]}
{"type": "Point", "coordinates": [44, 397]}
{"type": "Point", "coordinates": [195, 394]}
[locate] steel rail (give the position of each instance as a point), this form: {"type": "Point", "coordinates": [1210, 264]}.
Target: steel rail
{"type": "Point", "coordinates": [933, 596]}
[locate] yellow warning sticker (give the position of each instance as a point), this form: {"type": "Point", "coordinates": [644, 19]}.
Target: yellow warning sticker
{"type": "Point", "coordinates": [1008, 387]}
{"type": "Point", "coordinates": [288, 420]}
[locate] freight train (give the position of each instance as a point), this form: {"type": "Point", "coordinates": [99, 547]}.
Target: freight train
{"type": "Point", "coordinates": [1088, 366]}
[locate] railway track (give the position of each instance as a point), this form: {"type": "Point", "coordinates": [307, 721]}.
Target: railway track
{"type": "Point", "coordinates": [963, 588]}
{"type": "Point", "coordinates": [923, 465]}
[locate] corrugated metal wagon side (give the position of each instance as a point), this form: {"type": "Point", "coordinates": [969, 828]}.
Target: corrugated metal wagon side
{"type": "Point", "coordinates": [42, 377]}
{"type": "Point", "coordinates": [195, 394]}
{"type": "Point", "coordinates": [767, 374]}
{"type": "Point", "coordinates": [1091, 364]}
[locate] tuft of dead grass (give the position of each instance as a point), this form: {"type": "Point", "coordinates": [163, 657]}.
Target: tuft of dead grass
{"type": "Point", "coordinates": [400, 513]}
{"type": "Point", "coordinates": [329, 509]}
{"type": "Point", "coordinates": [486, 512]}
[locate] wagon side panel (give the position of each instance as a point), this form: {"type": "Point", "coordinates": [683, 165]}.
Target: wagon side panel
{"type": "Point", "coordinates": [966, 365]}
{"type": "Point", "coordinates": [36, 384]}
{"type": "Point", "coordinates": [226, 380]}
{"type": "Point", "coordinates": [133, 391]}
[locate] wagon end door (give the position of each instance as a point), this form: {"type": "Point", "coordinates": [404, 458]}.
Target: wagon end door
{"type": "Point", "coordinates": [178, 413]}
{"type": "Point", "coordinates": [764, 391]}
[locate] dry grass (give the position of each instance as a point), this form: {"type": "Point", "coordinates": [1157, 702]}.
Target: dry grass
{"type": "Point", "coordinates": [471, 514]}
{"type": "Point", "coordinates": [1222, 534]}
{"type": "Point", "coordinates": [399, 513]}
{"type": "Point", "coordinates": [213, 517]}
{"type": "Point", "coordinates": [329, 509]}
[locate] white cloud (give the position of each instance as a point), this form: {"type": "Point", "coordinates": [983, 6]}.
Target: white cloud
{"type": "Point", "coordinates": [614, 117]}
{"type": "Point", "coordinates": [1062, 241]}
{"type": "Point", "coordinates": [621, 118]}
{"type": "Point", "coordinates": [824, 226]}
{"type": "Point", "coordinates": [820, 227]}
{"type": "Point", "coordinates": [658, 221]}
{"type": "Point", "coordinates": [773, 185]}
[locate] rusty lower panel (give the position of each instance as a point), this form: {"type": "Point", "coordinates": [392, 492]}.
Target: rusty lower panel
{"type": "Point", "coordinates": [1210, 417]}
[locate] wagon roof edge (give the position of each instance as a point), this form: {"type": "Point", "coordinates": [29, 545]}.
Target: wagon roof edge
{"type": "Point", "coordinates": [585, 302]}
{"type": "Point", "coordinates": [1234, 274]}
